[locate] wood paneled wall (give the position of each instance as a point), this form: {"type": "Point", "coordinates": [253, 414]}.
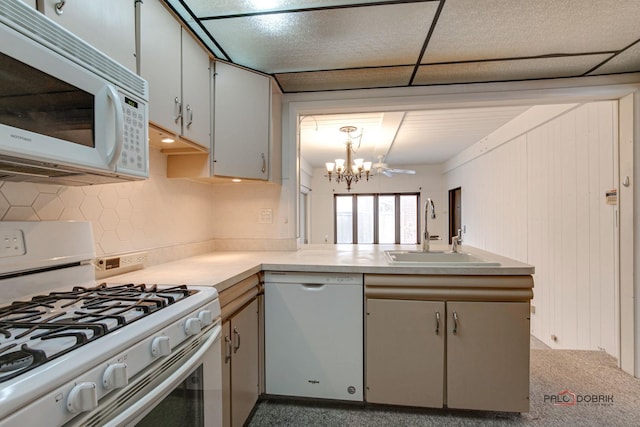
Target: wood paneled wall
{"type": "Point", "coordinates": [540, 198]}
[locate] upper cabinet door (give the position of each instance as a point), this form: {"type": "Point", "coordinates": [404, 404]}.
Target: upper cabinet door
{"type": "Point", "coordinates": [242, 101]}
{"type": "Point", "coordinates": [160, 64]}
{"type": "Point", "coordinates": [109, 26]}
{"type": "Point", "coordinates": [196, 92]}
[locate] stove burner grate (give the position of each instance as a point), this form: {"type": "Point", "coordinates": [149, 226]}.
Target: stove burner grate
{"type": "Point", "coordinates": [63, 321]}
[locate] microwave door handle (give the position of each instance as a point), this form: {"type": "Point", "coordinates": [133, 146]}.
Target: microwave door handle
{"type": "Point", "coordinates": [114, 156]}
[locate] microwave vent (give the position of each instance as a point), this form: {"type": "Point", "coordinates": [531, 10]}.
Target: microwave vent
{"type": "Point", "coordinates": [14, 169]}
{"type": "Point", "coordinates": [33, 24]}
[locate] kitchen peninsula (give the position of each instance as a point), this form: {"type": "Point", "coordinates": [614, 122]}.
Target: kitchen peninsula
{"type": "Point", "coordinates": [435, 336]}
{"type": "Point", "coordinates": [224, 269]}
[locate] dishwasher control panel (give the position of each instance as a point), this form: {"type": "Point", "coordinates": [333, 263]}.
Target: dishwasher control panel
{"type": "Point", "coordinates": [302, 277]}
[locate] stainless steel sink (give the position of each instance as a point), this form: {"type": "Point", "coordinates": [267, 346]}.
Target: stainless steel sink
{"type": "Point", "coordinates": [437, 259]}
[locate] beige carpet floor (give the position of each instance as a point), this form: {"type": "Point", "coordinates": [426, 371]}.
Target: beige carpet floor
{"type": "Point", "coordinates": [597, 394]}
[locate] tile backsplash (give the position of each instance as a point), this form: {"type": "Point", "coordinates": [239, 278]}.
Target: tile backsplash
{"type": "Point", "coordinates": [131, 216]}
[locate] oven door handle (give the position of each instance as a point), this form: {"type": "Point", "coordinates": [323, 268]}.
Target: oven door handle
{"type": "Point", "coordinates": [137, 410]}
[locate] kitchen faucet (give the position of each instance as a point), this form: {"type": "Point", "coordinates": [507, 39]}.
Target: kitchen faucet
{"type": "Point", "coordinates": [456, 240]}
{"type": "Point", "coordinates": [425, 238]}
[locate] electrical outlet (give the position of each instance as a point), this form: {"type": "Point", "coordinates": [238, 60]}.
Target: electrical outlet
{"type": "Point", "coordinates": [122, 261]}
{"type": "Point", "coordinates": [133, 259]}
{"type": "Point", "coordinates": [12, 244]}
{"type": "Point", "coordinates": [533, 309]}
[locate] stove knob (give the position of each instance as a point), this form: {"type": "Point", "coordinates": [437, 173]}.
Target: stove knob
{"type": "Point", "coordinates": [83, 397]}
{"type": "Point", "coordinates": [206, 317]}
{"type": "Point", "coordinates": [161, 346]}
{"type": "Point", "coordinates": [192, 326]}
{"type": "Point", "coordinates": [115, 376]}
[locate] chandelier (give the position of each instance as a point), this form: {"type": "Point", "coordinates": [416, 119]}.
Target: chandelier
{"type": "Point", "coordinates": [349, 170]}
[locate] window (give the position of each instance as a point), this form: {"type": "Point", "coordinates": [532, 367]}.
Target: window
{"type": "Point", "coordinates": [377, 218]}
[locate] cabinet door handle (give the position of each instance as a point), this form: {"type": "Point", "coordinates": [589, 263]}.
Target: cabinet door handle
{"type": "Point", "coordinates": [227, 355]}
{"type": "Point", "coordinates": [437, 323]}
{"type": "Point", "coordinates": [264, 163]}
{"type": "Point", "coordinates": [455, 323]}
{"type": "Point", "coordinates": [178, 109]}
{"type": "Point", "coordinates": [237, 335]}
{"type": "Point", "coordinates": [190, 113]}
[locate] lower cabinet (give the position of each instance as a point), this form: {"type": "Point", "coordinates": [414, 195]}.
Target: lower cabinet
{"type": "Point", "coordinates": [240, 369]}
{"type": "Point", "coordinates": [458, 354]}
{"type": "Point", "coordinates": [405, 352]}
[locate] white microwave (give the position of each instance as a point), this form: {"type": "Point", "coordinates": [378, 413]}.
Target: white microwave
{"type": "Point", "coordinates": [68, 113]}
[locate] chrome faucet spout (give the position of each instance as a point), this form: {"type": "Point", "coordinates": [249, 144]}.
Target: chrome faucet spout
{"type": "Point", "coordinates": [455, 241]}
{"type": "Point", "coordinates": [429, 211]}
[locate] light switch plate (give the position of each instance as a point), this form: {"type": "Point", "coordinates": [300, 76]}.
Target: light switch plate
{"type": "Point", "coordinates": [266, 216]}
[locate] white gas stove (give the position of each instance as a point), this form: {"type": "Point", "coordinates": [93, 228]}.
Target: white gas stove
{"type": "Point", "coordinates": [74, 351]}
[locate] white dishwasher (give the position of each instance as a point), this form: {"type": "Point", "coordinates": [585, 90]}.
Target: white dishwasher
{"type": "Point", "coordinates": [314, 335]}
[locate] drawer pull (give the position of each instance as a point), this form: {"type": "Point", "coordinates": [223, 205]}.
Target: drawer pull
{"type": "Point", "coordinates": [437, 323]}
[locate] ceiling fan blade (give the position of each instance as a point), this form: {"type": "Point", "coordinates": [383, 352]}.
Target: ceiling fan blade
{"type": "Point", "coordinates": [405, 171]}
{"type": "Point", "coordinates": [387, 172]}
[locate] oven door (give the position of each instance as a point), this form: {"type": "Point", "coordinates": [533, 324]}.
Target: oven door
{"type": "Point", "coordinates": [185, 388]}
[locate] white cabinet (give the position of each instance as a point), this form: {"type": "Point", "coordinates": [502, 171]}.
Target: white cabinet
{"type": "Point", "coordinates": [242, 105]}
{"type": "Point", "coordinates": [178, 72]}
{"type": "Point", "coordinates": [109, 26]}
{"type": "Point", "coordinates": [247, 128]}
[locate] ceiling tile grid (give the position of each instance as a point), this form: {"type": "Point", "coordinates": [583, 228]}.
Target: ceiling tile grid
{"type": "Point", "coordinates": [518, 69]}
{"type": "Point", "coordinates": [496, 29]}
{"type": "Point", "coordinates": [326, 39]}
{"type": "Point", "coordinates": [316, 45]}
{"type": "Point", "coordinates": [360, 78]}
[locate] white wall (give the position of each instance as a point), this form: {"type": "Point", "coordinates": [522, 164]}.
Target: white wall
{"type": "Point", "coordinates": [540, 198]}
{"type": "Point", "coordinates": [428, 181]}
{"type": "Point", "coordinates": [252, 216]}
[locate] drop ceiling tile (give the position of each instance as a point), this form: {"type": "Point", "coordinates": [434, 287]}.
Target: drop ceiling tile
{"type": "Point", "coordinates": [493, 71]}
{"type": "Point", "coordinates": [490, 29]}
{"type": "Point", "coordinates": [208, 8]}
{"type": "Point", "coordinates": [345, 79]}
{"type": "Point", "coordinates": [326, 39]}
{"type": "Point", "coordinates": [627, 61]}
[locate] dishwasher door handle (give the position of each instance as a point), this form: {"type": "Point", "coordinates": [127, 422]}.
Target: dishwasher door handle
{"type": "Point", "coordinates": [313, 286]}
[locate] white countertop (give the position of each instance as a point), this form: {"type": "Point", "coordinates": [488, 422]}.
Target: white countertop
{"type": "Point", "coordinates": [224, 269]}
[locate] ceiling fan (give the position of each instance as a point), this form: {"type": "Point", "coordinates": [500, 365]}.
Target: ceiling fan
{"type": "Point", "coordinates": [384, 169]}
